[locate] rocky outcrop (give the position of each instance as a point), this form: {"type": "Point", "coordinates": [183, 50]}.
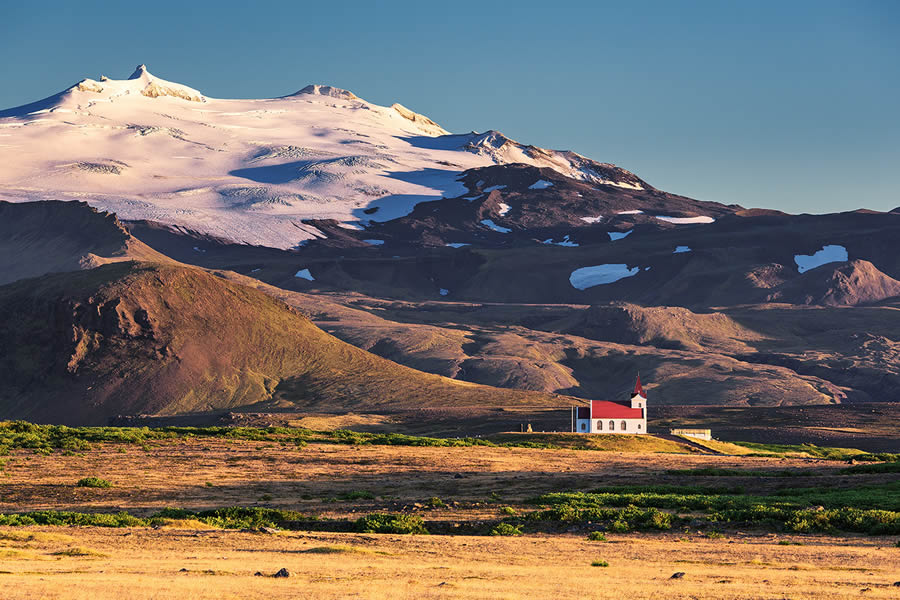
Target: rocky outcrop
{"type": "Point", "coordinates": [839, 284]}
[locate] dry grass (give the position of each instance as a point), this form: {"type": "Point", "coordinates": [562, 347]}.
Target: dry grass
{"type": "Point", "coordinates": [243, 473]}
{"type": "Point", "coordinates": [184, 558]}
{"type": "Point", "coordinates": [164, 564]}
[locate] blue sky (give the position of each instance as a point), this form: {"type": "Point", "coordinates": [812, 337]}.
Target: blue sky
{"type": "Point", "coordinates": [789, 105]}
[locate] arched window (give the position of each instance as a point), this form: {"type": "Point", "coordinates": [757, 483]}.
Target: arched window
{"type": "Point", "coordinates": [583, 427]}
{"type": "Point", "coordinates": [624, 425]}
{"type": "Point", "coordinates": [612, 425]}
{"type": "Point", "coordinates": [599, 425]}
{"type": "Point", "coordinates": [639, 426]}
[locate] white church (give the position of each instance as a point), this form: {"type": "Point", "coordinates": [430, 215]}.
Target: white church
{"type": "Point", "coordinates": [602, 416]}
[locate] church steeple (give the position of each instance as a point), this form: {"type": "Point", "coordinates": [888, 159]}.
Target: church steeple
{"type": "Point", "coordinates": [638, 389]}
{"type": "Point", "coordinates": [638, 397]}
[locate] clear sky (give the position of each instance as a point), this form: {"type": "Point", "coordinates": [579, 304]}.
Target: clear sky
{"type": "Point", "coordinates": [792, 105]}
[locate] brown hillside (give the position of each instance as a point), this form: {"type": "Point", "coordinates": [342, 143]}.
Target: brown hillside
{"type": "Point", "coordinates": [133, 339]}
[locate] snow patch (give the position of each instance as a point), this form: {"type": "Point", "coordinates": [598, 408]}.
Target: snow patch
{"type": "Point", "coordinates": [350, 225]}
{"type": "Point", "coordinates": [618, 235]}
{"type": "Point", "coordinates": [630, 212]}
{"type": "Point", "coordinates": [504, 208]}
{"type": "Point", "coordinates": [540, 184]}
{"type": "Point", "coordinates": [456, 244]}
{"type": "Point", "coordinates": [828, 254]}
{"type": "Point", "coordinates": [686, 220]}
{"type": "Point", "coordinates": [374, 242]}
{"type": "Point", "coordinates": [565, 242]}
{"type": "Point", "coordinates": [304, 274]}
{"type": "Point", "coordinates": [592, 220]}
{"type": "Point", "coordinates": [680, 249]}
{"type": "Point", "coordinates": [488, 190]}
{"type": "Point", "coordinates": [489, 223]}
{"type": "Point", "coordinates": [586, 277]}
{"type": "Point", "coordinates": [444, 291]}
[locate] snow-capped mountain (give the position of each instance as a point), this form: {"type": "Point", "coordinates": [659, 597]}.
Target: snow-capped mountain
{"type": "Point", "coordinates": [250, 171]}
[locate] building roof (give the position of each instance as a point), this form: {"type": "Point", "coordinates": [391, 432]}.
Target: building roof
{"type": "Point", "coordinates": [602, 409]}
{"type": "Point", "coordinates": [638, 388]}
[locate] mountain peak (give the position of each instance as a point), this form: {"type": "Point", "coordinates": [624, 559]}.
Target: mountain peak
{"type": "Point", "coordinates": [327, 90]}
{"type": "Point", "coordinates": [140, 72]}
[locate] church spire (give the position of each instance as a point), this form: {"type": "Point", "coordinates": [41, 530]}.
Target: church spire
{"type": "Point", "coordinates": [638, 389]}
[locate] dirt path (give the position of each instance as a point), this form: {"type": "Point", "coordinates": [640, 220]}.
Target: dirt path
{"type": "Point", "coordinates": [687, 442]}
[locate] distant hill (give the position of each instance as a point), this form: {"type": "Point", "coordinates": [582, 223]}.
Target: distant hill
{"type": "Point", "coordinates": [132, 339]}
{"type": "Point", "coordinates": [52, 237]}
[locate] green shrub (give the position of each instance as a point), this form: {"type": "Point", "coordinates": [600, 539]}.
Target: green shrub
{"type": "Point", "coordinates": [58, 518]}
{"type": "Point", "coordinates": [390, 523]}
{"type": "Point", "coordinates": [435, 502]}
{"type": "Point", "coordinates": [620, 526]}
{"type": "Point", "coordinates": [596, 536]}
{"type": "Point", "coordinates": [506, 529]}
{"type": "Point", "coordinates": [238, 517]}
{"type": "Point", "coordinates": [509, 510]}
{"type": "Point", "coordinates": [93, 482]}
{"type": "Point", "coordinates": [599, 563]}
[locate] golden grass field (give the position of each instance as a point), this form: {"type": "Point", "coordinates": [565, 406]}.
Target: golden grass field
{"type": "Point", "coordinates": [193, 560]}
{"type": "Point", "coordinates": [147, 563]}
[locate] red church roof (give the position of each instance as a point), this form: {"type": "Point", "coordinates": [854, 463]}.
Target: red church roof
{"type": "Point", "coordinates": [638, 389]}
{"type": "Point", "coordinates": [602, 409]}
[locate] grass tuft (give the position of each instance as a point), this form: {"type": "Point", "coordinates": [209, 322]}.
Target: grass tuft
{"type": "Point", "coordinates": [390, 523]}
{"type": "Point", "coordinates": [93, 482]}
{"type": "Point", "coordinates": [79, 551]}
{"type": "Point", "coordinates": [506, 529]}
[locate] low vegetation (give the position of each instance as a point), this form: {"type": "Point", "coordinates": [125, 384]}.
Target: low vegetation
{"type": "Point", "coordinates": [873, 509]}
{"type": "Point", "coordinates": [816, 452]}
{"type": "Point", "coordinates": [391, 523]}
{"type": "Point", "coordinates": [93, 482]}
{"type": "Point", "coordinates": [506, 529]}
